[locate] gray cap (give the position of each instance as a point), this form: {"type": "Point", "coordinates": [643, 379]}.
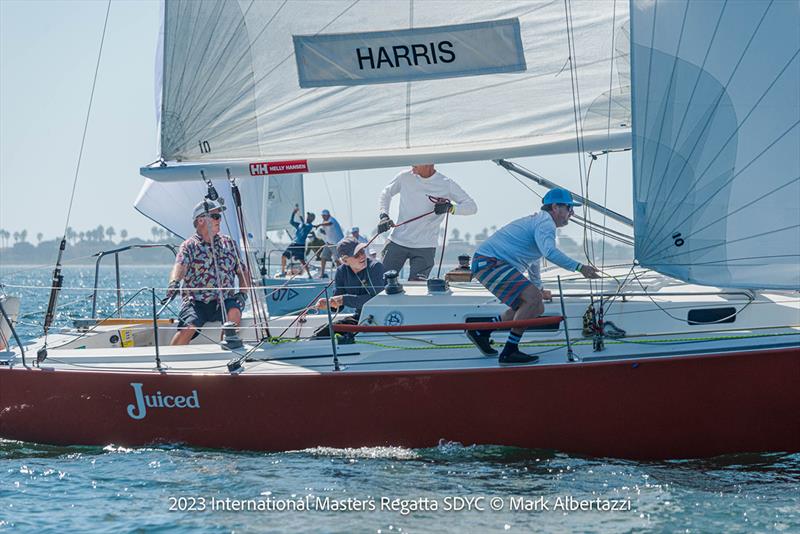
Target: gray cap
{"type": "Point", "coordinates": [200, 208]}
{"type": "Point", "coordinates": [349, 247]}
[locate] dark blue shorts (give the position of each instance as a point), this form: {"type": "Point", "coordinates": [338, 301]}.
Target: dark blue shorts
{"type": "Point", "coordinates": [297, 252]}
{"type": "Point", "coordinates": [196, 313]}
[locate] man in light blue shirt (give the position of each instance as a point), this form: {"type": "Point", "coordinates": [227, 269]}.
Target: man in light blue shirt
{"type": "Point", "coordinates": [357, 235]}
{"type": "Point", "coordinates": [518, 246]}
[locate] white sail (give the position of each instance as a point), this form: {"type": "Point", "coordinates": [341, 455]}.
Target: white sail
{"type": "Point", "coordinates": [232, 89]}
{"type": "Point", "coordinates": [716, 140]}
{"type": "Point", "coordinates": [170, 204]}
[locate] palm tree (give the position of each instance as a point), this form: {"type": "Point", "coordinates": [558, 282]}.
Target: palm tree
{"type": "Point", "coordinates": [39, 237]}
{"type": "Point", "coordinates": [454, 234]}
{"type": "Point", "coordinates": [155, 231]}
{"type": "Point", "coordinates": [70, 234]}
{"type": "Point", "coordinates": [110, 232]}
{"type": "Point", "coordinates": [81, 236]}
{"type": "Point", "coordinates": [16, 237]}
{"type": "Point", "coordinates": [467, 237]}
{"type": "Point", "coordinates": [23, 235]}
{"type": "Point", "coordinates": [4, 237]}
{"type": "Point", "coordinates": [123, 234]}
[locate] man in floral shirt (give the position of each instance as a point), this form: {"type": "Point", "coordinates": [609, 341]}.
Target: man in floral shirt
{"type": "Point", "coordinates": [207, 275]}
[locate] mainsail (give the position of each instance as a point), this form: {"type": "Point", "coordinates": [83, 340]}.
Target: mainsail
{"type": "Point", "coordinates": [716, 140]}
{"type": "Point", "coordinates": [343, 84]}
{"type": "Point", "coordinates": [264, 208]}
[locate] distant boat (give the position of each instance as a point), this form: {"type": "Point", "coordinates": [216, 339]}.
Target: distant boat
{"type": "Point", "coordinates": [706, 356]}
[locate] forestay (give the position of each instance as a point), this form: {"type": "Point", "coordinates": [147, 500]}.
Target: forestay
{"type": "Point", "coordinates": [716, 141]}
{"type": "Point", "coordinates": [231, 88]}
{"type": "Point", "coordinates": [170, 204]}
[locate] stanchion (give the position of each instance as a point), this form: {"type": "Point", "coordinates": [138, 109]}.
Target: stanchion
{"type": "Point", "coordinates": [570, 355]}
{"type": "Point", "coordinates": [331, 332]}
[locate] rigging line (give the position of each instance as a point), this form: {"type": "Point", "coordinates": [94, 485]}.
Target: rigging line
{"type": "Point", "coordinates": [86, 122]}
{"type": "Point", "coordinates": [724, 184]}
{"type": "Point", "coordinates": [700, 70]}
{"type": "Point", "coordinates": [408, 84]}
{"type": "Point", "coordinates": [725, 144]}
{"type": "Point", "coordinates": [758, 263]}
{"type": "Point", "coordinates": [101, 321]}
{"type": "Point", "coordinates": [666, 99]}
{"type": "Point", "coordinates": [617, 236]}
{"type": "Point", "coordinates": [245, 91]}
{"type": "Point", "coordinates": [729, 260]}
{"type": "Point", "coordinates": [608, 141]}
{"type": "Point", "coordinates": [610, 301]}
{"type": "Point", "coordinates": [327, 190]}
{"type": "Point", "coordinates": [712, 109]}
{"type": "Point", "coordinates": [728, 214]}
{"type": "Point", "coordinates": [718, 321]}
{"type": "Point", "coordinates": [649, 74]}
{"type": "Point", "coordinates": [576, 115]}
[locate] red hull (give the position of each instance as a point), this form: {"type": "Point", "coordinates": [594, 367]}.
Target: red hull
{"type": "Point", "coordinates": [651, 408]}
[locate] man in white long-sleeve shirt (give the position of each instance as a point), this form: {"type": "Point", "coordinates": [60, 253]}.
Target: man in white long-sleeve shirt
{"type": "Point", "coordinates": [517, 247]}
{"type": "Point", "coordinates": [422, 189]}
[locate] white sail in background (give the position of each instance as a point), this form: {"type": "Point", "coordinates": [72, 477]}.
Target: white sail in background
{"type": "Point", "coordinates": [170, 204]}
{"type": "Point", "coordinates": [716, 140]}
{"type": "Point", "coordinates": [232, 89]}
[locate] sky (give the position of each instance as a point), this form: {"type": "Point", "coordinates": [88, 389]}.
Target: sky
{"type": "Point", "coordinates": [48, 52]}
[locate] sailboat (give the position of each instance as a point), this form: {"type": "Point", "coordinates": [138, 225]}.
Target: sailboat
{"type": "Point", "coordinates": [707, 96]}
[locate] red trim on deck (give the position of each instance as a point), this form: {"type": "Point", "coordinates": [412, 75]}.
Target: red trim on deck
{"type": "Point", "coordinates": [539, 321]}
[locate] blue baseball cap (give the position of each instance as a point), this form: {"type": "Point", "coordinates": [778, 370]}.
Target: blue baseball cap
{"type": "Point", "coordinates": [559, 196]}
{"type": "Point", "coordinates": [326, 212]}
{"type": "Point", "coordinates": [354, 229]}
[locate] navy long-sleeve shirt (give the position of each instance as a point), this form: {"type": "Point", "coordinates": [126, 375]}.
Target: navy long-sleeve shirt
{"type": "Point", "coordinates": [358, 288]}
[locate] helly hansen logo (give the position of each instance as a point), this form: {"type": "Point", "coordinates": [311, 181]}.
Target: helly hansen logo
{"type": "Point", "coordinates": [278, 167]}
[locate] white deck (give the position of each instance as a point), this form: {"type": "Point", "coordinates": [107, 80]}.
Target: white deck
{"type": "Point", "coordinates": [655, 322]}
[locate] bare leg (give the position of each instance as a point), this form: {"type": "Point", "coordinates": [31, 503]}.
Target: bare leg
{"type": "Point", "coordinates": [235, 315]}
{"type": "Point", "coordinates": [283, 265]}
{"type": "Point", "coordinates": [184, 336]}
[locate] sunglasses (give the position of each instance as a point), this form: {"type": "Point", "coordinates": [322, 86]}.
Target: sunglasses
{"type": "Point", "coordinates": [215, 216]}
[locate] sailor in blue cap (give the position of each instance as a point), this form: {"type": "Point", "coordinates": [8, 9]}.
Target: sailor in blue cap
{"type": "Point", "coordinates": [517, 247]}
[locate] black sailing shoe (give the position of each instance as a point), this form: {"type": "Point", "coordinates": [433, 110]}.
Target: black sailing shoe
{"type": "Point", "coordinates": [516, 356]}
{"type": "Point", "coordinates": [483, 340]}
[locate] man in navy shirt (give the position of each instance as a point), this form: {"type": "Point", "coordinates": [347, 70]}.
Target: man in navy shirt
{"type": "Point", "coordinates": [297, 249]}
{"type": "Point", "coordinates": [358, 278]}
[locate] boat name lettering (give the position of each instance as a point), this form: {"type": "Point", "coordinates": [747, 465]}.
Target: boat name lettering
{"type": "Point", "coordinates": [408, 55]}
{"type": "Point", "coordinates": [139, 410]}
{"type": "Point", "coordinates": [278, 167]}
{"type": "Point", "coordinates": [412, 54]}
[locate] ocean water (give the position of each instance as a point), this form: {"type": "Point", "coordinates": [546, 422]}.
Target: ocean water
{"type": "Point", "coordinates": [451, 487]}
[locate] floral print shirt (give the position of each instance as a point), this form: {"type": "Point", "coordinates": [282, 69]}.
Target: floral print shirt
{"type": "Point", "coordinates": [200, 281]}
